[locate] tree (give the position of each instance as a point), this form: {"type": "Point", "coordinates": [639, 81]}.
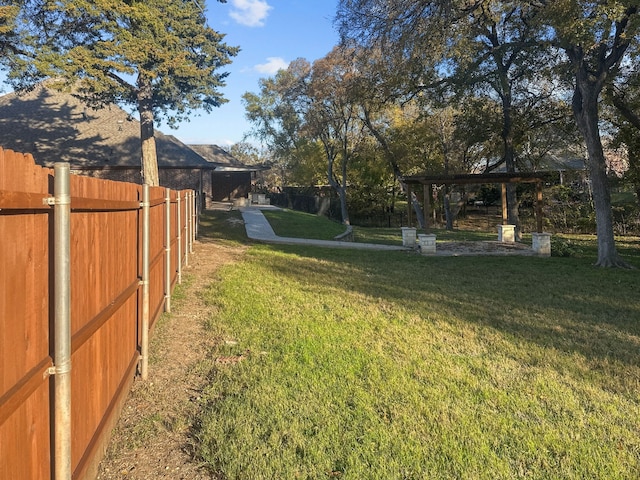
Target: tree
{"type": "Point", "coordinates": [19, 21]}
{"type": "Point", "coordinates": [380, 111]}
{"type": "Point", "coordinates": [277, 114]}
{"type": "Point", "coordinates": [595, 37]}
{"type": "Point", "coordinates": [157, 55]}
{"type": "Point", "coordinates": [333, 118]}
{"type": "Point", "coordinates": [309, 105]}
{"type": "Point", "coordinates": [9, 11]}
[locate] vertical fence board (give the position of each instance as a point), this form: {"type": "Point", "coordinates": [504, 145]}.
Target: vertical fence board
{"type": "Point", "coordinates": [174, 240]}
{"type": "Point", "coordinates": [156, 254]}
{"type": "Point", "coordinates": [25, 276]}
{"type": "Point", "coordinates": [104, 256]}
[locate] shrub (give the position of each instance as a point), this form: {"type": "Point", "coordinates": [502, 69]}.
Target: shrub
{"type": "Point", "coordinates": [562, 247]}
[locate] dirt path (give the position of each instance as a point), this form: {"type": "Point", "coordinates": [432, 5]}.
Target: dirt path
{"type": "Point", "coordinates": [152, 437]}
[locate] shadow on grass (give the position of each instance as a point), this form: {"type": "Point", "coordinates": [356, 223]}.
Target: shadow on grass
{"type": "Point", "coordinates": [561, 303]}
{"type": "Point", "coordinates": [558, 303]}
{"type": "Point", "coordinates": [225, 226]}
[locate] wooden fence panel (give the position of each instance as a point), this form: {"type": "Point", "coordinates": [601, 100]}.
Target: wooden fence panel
{"type": "Point", "coordinates": [106, 309]}
{"type": "Point", "coordinates": [185, 228]}
{"type": "Point", "coordinates": [156, 253]}
{"type": "Point", "coordinates": [174, 237]}
{"type": "Point", "coordinates": [104, 285]}
{"type": "Point", "coordinates": [25, 273]}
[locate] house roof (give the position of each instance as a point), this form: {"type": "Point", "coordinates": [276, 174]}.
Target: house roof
{"type": "Point", "coordinates": [223, 160]}
{"type": "Point", "coordinates": [562, 161]}
{"type": "Point", "coordinates": [56, 126]}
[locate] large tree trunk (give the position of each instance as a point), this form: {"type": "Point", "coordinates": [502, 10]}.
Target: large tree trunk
{"type": "Point", "coordinates": [147, 139]}
{"type": "Point", "coordinates": [513, 216]}
{"type": "Point", "coordinates": [585, 109]}
{"type": "Point", "coordinates": [339, 187]}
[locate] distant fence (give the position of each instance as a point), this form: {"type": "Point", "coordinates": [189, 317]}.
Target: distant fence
{"type": "Point", "coordinates": [83, 279]}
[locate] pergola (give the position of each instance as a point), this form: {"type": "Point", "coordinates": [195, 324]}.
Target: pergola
{"type": "Point", "coordinates": [427, 181]}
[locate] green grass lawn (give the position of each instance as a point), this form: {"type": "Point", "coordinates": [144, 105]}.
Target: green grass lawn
{"type": "Point", "coordinates": [290, 223]}
{"type": "Point", "coordinates": [390, 365]}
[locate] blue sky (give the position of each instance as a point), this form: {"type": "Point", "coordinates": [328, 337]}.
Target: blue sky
{"type": "Point", "coordinates": [270, 33]}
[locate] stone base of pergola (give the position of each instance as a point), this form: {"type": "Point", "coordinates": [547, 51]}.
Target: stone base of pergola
{"type": "Point", "coordinates": [541, 246]}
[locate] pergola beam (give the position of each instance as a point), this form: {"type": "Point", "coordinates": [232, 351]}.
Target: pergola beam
{"type": "Point", "coordinates": [478, 178]}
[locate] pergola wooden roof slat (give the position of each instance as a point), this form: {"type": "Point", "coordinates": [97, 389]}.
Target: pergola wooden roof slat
{"type": "Point", "coordinates": [476, 178]}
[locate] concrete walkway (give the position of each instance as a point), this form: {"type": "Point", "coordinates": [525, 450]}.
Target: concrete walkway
{"type": "Point", "coordinates": [258, 228]}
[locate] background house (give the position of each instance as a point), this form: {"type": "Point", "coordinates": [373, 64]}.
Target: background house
{"type": "Point", "coordinates": [232, 179]}
{"type": "Point", "coordinates": [105, 143]}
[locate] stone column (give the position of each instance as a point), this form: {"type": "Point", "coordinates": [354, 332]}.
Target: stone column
{"type": "Point", "coordinates": [541, 244]}
{"type": "Point", "coordinates": [408, 236]}
{"type": "Point", "coordinates": [506, 233]}
{"type": "Point", "coordinates": [427, 244]}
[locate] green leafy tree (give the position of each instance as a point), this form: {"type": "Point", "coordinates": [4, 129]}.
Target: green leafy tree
{"type": "Point", "coordinates": [9, 11]}
{"type": "Point", "coordinates": [381, 112]}
{"type": "Point", "coordinates": [276, 114]}
{"type": "Point", "coordinates": [306, 106]}
{"type": "Point", "coordinates": [333, 118]}
{"type": "Point", "coordinates": [159, 56]}
{"type": "Point", "coordinates": [595, 36]}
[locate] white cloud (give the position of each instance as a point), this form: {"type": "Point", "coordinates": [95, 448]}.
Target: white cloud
{"type": "Point", "coordinates": [272, 66]}
{"type": "Point", "coordinates": [250, 13]}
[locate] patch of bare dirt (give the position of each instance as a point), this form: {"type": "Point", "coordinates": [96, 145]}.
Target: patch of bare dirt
{"type": "Point", "coordinates": [152, 438]}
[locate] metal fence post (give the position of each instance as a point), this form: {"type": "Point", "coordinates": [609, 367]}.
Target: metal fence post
{"type": "Point", "coordinates": [167, 250]}
{"type": "Point", "coordinates": [199, 199]}
{"type": "Point", "coordinates": [193, 221]}
{"type": "Point", "coordinates": [178, 218]}
{"type": "Point", "coordinates": [186, 229]}
{"type": "Point", "coordinates": [144, 335]}
{"type": "Point", "coordinates": [62, 320]}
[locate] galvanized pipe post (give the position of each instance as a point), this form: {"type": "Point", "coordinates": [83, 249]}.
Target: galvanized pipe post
{"type": "Point", "coordinates": [193, 220]}
{"type": "Point", "coordinates": [186, 229]}
{"type": "Point", "coordinates": [144, 335]}
{"type": "Point", "coordinates": [167, 250]}
{"type": "Point", "coordinates": [62, 320]}
{"type": "Point", "coordinates": [179, 227]}
{"type": "Point", "coordinates": [190, 215]}
{"type": "Point", "coordinates": [199, 199]}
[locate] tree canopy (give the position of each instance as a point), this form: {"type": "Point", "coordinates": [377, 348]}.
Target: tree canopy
{"type": "Point", "coordinates": [159, 56]}
{"type": "Point", "coordinates": [509, 51]}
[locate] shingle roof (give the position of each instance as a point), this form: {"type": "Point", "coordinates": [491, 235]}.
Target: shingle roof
{"type": "Point", "coordinates": [56, 126]}
{"type": "Point", "coordinates": [224, 161]}
{"type": "Point", "coordinates": [217, 155]}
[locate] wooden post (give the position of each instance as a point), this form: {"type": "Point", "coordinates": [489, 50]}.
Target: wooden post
{"type": "Point", "coordinates": [539, 206]}
{"type": "Point", "coordinates": [427, 207]}
{"type": "Point", "coordinates": [505, 216]}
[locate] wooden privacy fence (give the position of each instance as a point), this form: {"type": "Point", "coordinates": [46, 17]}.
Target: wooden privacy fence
{"type": "Point", "coordinates": [86, 268]}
